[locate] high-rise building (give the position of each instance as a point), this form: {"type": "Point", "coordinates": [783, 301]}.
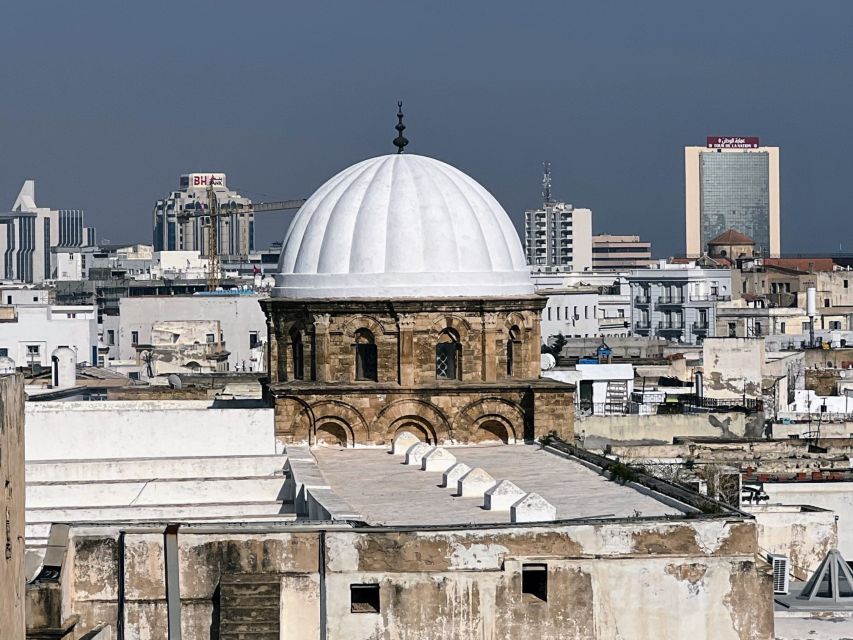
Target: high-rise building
{"type": "Point", "coordinates": [732, 183]}
{"type": "Point", "coordinates": [180, 223]}
{"type": "Point", "coordinates": [620, 253]}
{"type": "Point", "coordinates": [557, 236]}
{"type": "Point", "coordinates": [30, 236]}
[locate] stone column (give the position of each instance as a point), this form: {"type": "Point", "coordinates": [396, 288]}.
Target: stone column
{"type": "Point", "coordinates": [321, 346]}
{"type": "Point", "coordinates": [406, 349]}
{"type": "Point", "coordinates": [272, 351]}
{"type": "Point", "coordinates": [490, 356]}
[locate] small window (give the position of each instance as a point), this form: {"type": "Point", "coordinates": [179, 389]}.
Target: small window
{"type": "Point", "coordinates": [846, 286]}
{"type": "Point", "coordinates": [134, 337]}
{"type": "Point", "coordinates": [133, 375]}
{"type": "Point", "coordinates": [826, 302]}
{"type": "Point", "coordinates": [35, 299]}
{"type": "Point", "coordinates": [8, 299]}
{"type": "Point", "coordinates": [211, 337]}
{"type": "Point", "coordinates": [534, 581]}
{"type": "Point", "coordinates": [732, 330]}
{"type": "Point", "coordinates": [364, 598]}
{"type": "Point", "coordinates": [111, 337]}
{"type": "Point", "coordinates": [781, 327]}
{"type": "Point", "coordinates": [253, 339]}
{"type": "Point", "coordinates": [298, 353]}
{"type": "Point", "coordinates": [3, 352]}
{"type": "Point", "coordinates": [447, 352]}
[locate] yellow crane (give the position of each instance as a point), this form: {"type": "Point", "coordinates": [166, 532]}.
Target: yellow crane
{"type": "Point", "coordinates": [214, 274]}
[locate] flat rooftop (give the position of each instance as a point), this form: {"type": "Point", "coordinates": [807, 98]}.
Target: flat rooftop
{"type": "Point", "coordinates": [386, 491]}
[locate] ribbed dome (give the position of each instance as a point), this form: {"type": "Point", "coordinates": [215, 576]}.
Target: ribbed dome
{"type": "Point", "coordinates": [401, 226]}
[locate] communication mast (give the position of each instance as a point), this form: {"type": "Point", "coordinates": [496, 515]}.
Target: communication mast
{"type": "Point", "coordinates": [546, 182]}
{"type": "Point", "coordinates": [213, 271]}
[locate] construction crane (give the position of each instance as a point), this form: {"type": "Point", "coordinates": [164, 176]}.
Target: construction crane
{"type": "Point", "coordinates": [212, 213]}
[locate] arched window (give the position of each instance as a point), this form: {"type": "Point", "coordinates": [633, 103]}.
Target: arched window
{"type": "Point", "coordinates": [297, 350]}
{"type": "Point", "coordinates": [513, 350]}
{"type": "Point", "coordinates": [365, 356]}
{"type": "Point", "coordinates": [448, 356]}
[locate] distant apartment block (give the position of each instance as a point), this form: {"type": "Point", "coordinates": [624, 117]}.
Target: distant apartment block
{"type": "Point", "coordinates": [180, 223]}
{"type": "Point", "coordinates": [620, 253]}
{"type": "Point", "coordinates": [732, 183]}
{"type": "Point", "coordinates": [31, 236]}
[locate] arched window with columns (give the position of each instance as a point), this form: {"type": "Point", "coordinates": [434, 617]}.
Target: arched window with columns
{"type": "Point", "coordinates": [297, 351]}
{"type": "Point", "coordinates": [365, 356]}
{"type": "Point", "coordinates": [448, 356]}
{"type": "Point", "coordinates": [513, 351]}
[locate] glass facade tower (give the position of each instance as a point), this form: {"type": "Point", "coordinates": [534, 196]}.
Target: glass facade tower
{"type": "Point", "coordinates": [734, 194]}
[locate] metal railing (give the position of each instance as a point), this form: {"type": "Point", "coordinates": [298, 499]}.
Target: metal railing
{"type": "Point", "coordinates": [683, 404]}
{"type": "Point", "coordinates": [700, 326]}
{"type": "Point", "coordinates": [641, 299]}
{"type": "Point", "coordinates": [670, 326]}
{"type": "Point", "coordinates": [670, 299]}
{"type": "Point", "coordinates": [710, 298]}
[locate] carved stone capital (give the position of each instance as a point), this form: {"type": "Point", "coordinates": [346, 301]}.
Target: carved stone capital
{"type": "Point", "coordinates": [322, 322]}
{"type": "Point", "coordinates": [406, 322]}
{"type": "Point", "coordinates": [490, 321]}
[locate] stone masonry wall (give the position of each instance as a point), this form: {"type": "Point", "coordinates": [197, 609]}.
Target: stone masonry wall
{"type": "Point", "coordinates": [12, 507]}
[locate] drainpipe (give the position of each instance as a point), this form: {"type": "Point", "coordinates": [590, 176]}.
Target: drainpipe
{"type": "Point", "coordinates": [173, 589]}
{"type": "Point", "coordinates": [321, 559]}
{"type": "Point", "coordinates": [120, 589]}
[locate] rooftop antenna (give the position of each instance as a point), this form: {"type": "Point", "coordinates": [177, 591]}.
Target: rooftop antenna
{"type": "Point", "coordinates": [546, 182]}
{"type": "Point", "coordinates": [400, 141]}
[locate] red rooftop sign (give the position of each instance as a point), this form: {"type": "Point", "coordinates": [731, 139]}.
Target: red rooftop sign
{"type": "Point", "coordinates": [721, 142]}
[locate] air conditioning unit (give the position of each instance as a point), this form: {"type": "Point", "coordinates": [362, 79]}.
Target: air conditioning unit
{"type": "Point", "coordinates": [780, 572]}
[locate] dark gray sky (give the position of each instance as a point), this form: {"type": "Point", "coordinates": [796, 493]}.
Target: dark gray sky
{"type": "Point", "coordinates": [105, 103]}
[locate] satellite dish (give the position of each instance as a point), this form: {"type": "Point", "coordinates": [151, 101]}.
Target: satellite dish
{"type": "Point", "coordinates": [547, 362]}
{"type": "Point", "coordinates": [174, 381]}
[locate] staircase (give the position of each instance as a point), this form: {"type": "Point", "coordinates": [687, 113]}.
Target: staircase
{"type": "Point", "coordinates": [617, 397]}
{"type": "Point", "coordinates": [249, 606]}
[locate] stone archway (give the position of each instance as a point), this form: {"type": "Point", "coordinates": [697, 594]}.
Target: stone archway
{"type": "Point", "coordinates": [422, 430]}
{"type": "Point", "coordinates": [333, 433]}
{"type": "Point", "coordinates": [422, 417]}
{"type": "Point", "coordinates": [491, 429]}
{"type": "Point", "coordinates": [494, 419]}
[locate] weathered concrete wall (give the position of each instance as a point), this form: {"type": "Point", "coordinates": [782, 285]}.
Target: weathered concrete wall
{"type": "Point", "coordinates": [660, 428]}
{"type": "Point", "coordinates": [641, 580]}
{"type": "Point", "coordinates": [733, 367]}
{"type": "Point", "coordinates": [141, 429]}
{"type": "Point", "coordinates": [833, 496]}
{"type": "Point", "coordinates": [804, 534]}
{"type": "Point", "coordinates": [12, 507]}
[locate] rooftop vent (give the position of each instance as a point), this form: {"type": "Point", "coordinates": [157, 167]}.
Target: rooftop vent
{"type": "Point", "coordinates": [831, 582]}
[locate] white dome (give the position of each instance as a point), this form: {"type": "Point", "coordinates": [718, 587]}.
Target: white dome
{"type": "Point", "coordinates": [401, 226]}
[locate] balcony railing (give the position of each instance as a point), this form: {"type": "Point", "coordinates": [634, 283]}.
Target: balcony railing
{"type": "Point", "coordinates": [642, 325]}
{"type": "Point", "coordinates": [700, 327]}
{"type": "Point", "coordinates": [670, 299]}
{"type": "Point", "coordinates": [641, 299]}
{"type": "Point", "coordinates": [710, 298]}
{"type": "Point", "coordinates": [670, 326]}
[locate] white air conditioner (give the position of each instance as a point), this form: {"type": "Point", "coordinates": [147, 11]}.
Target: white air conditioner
{"type": "Point", "coordinates": [780, 572]}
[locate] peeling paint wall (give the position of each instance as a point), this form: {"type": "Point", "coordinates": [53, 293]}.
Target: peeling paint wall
{"type": "Point", "coordinates": [630, 579]}
{"type": "Point", "coordinates": [804, 534]}
{"type": "Point", "coordinates": [733, 367]}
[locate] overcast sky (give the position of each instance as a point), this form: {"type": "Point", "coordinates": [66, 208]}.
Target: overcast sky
{"type": "Point", "coordinates": [106, 103]}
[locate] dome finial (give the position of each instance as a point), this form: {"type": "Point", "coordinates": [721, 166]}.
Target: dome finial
{"type": "Point", "coordinates": [400, 141]}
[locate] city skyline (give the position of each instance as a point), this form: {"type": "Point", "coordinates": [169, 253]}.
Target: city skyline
{"type": "Point", "coordinates": [496, 95]}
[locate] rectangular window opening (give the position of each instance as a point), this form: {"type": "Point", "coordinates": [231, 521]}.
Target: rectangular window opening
{"type": "Point", "coordinates": [534, 581]}
{"type": "Point", "coordinates": [364, 598]}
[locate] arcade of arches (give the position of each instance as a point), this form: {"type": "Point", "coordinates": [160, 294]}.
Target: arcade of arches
{"type": "Point", "coordinates": [349, 372]}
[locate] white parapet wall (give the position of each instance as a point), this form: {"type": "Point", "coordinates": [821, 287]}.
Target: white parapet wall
{"type": "Point", "coordinates": [145, 429]}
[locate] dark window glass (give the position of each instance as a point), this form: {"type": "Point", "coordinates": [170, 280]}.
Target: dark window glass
{"type": "Point", "coordinates": [365, 356]}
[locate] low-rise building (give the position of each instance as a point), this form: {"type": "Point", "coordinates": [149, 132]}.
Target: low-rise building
{"type": "Point", "coordinates": [677, 302]}
{"type": "Point", "coordinates": [242, 323]}
{"type": "Point", "coordinates": [30, 332]}
{"type": "Point", "coordinates": [620, 253]}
